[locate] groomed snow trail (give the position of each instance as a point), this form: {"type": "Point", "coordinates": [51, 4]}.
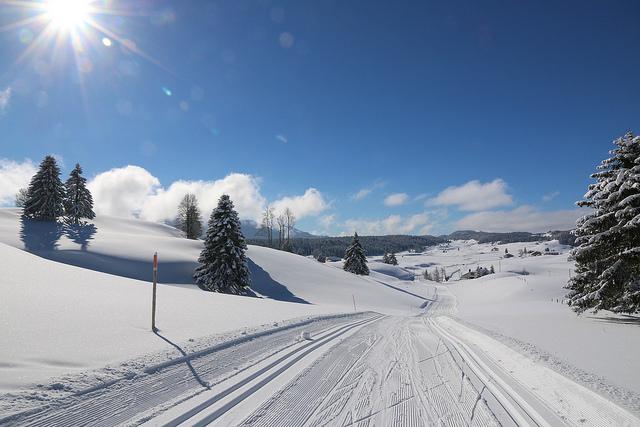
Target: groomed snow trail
{"type": "Point", "coordinates": [394, 372]}
{"type": "Point", "coordinates": [133, 400]}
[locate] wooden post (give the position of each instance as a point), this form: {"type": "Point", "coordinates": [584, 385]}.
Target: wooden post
{"type": "Point", "coordinates": [354, 302]}
{"type": "Point", "coordinates": [153, 300]}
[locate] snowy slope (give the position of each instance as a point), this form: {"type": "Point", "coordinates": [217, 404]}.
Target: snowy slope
{"type": "Point", "coordinates": [79, 304]}
{"type": "Point", "coordinates": [124, 247]}
{"type": "Point", "coordinates": [526, 313]}
{"type": "Point", "coordinates": [58, 319]}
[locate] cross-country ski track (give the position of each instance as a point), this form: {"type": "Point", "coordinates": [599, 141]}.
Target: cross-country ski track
{"type": "Point", "coordinates": [359, 370]}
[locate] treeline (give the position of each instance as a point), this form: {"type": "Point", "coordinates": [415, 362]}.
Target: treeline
{"type": "Point", "coordinates": [375, 245]}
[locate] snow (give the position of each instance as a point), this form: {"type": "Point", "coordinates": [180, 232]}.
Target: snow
{"type": "Point", "coordinates": [391, 270]}
{"type": "Point", "coordinates": [526, 312]}
{"type": "Point", "coordinates": [81, 301]}
{"type": "Point", "coordinates": [90, 308]}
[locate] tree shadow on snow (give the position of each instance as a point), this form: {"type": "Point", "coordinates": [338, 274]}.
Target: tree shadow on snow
{"type": "Point", "coordinates": [81, 234]}
{"type": "Point", "coordinates": [263, 283]}
{"type": "Point", "coordinates": [40, 236]}
{"type": "Point", "coordinates": [624, 319]}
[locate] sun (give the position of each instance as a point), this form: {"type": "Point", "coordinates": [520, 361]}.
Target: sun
{"type": "Point", "coordinates": [67, 14]}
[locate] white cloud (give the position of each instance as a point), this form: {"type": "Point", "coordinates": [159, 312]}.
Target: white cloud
{"type": "Point", "coordinates": [134, 191]}
{"type": "Point", "coordinates": [327, 221]}
{"type": "Point", "coordinates": [122, 191]}
{"type": "Point", "coordinates": [523, 218]}
{"type": "Point", "coordinates": [367, 190]}
{"type": "Point", "coordinates": [396, 199]}
{"type": "Point", "coordinates": [549, 197]}
{"type": "Point", "coordinates": [5, 97]}
{"type": "Point", "coordinates": [393, 224]}
{"type": "Point", "coordinates": [312, 202]}
{"type": "Point", "coordinates": [282, 138]}
{"type": "Point", "coordinates": [243, 189]}
{"type": "Point", "coordinates": [14, 176]}
{"type": "Point", "coordinates": [475, 196]}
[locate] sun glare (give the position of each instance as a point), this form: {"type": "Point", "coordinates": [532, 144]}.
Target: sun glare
{"type": "Point", "coordinates": [67, 14]}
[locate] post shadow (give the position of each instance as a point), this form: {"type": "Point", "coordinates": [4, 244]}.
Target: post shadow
{"type": "Point", "coordinates": [188, 362]}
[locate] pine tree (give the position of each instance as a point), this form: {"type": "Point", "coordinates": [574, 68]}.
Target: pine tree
{"type": "Point", "coordinates": [46, 194]}
{"type": "Point", "coordinates": [78, 201]}
{"type": "Point", "coordinates": [223, 263]}
{"type": "Point", "coordinates": [354, 260]}
{"type": "Point", "coordinates": [189, 219]}
{"type": "Point", "coordinates": [392, 259]}
{"type": "Point", "coordinates": [389, 258]}
{"type": "Point", "coordinates": [608, 252]}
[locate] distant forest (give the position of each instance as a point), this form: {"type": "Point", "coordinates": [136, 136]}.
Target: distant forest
{"type": "Point", "coordinates": [378, 245]}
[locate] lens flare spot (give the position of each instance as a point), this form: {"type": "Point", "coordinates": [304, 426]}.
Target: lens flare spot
{"type": "Point", "coordinates": [167, 91]}
{"type": "Point", "coordinates": [106, 41]}
{"type": "Point", "coordinates": [25, 36]}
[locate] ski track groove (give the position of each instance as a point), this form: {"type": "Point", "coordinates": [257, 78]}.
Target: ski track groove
{"type": "Point", "coordinates": [125, 400]}
{"type": "Point", "coordinates": [349, 386]}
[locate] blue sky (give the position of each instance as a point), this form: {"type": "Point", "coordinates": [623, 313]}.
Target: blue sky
{"type": "Point", "coordinates": [310, 103]}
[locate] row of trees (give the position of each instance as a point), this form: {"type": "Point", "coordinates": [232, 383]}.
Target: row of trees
{"type": "Point", "coordinates": [285, 223]}
{"type": "Point", "coordinates": [48, 199]}
{"type": "Point", "coordinates": [608, 252]}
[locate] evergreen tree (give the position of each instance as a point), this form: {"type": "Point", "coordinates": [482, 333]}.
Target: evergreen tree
{"type": "Point", "coordinates": [608, 252]}
{"type": "Point", "coordinates": [78, 201]}
{"type": "Point", "coordinates": [390, 258]}
{"type": "Point", "coordinates": [223, 263]}
{"type": "Point", "coordinates": [393, 259]}
{"type": "Point", "coordinates": [46, 194]}
{"type": "Point", "coordinates": [354, 260]}
{"type": "Point", "coordinates": [436, 275]}
{"type": "Point", "coordinates": [189, 219]}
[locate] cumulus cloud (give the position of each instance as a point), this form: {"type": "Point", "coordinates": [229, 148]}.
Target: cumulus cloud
{"type": "Point", "coordinates": [14, 176]}
{"type": "Point", "coordinates": [122, 191]}
{"type": "Point", "coordinates": [523, 218]}
{"type": "Point", "coordinates": [363, 193]}
{"type": "Point", "coordinates": [393, 224]}
{"type": "Point", "coordinates": [312, 202]}
{"type": "Point", "coordinates": [396, 199]}
{"type": "Point", "coordinates": [475, 196]}
{"type": "Point", "coordinates": [5, 97]}
{"type": "Point", "coordinates": [133, 191]}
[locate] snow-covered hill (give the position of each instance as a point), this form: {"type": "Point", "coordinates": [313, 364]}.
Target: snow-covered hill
{"type": "Point", "coordinates": [81, 298]}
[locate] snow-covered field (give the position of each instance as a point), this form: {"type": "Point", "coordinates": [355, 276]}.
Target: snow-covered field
{"type": "Point", "coordinates": [75, 316]}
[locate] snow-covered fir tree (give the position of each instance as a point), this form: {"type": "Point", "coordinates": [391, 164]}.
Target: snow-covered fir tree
{"type": "Point", "coordinates": [392, 259]}
{"type": "Point", "coordinates": [46, 193]}
{"type": "Point", "coordinates": [78, 201]}
{"type": "Point", "coordinates": [608, 252]}
{"type": "Point", "coordinates": [354, 260]}
{"type": "Point", "coordinates": [223, 263]}
{"type": "Point", "coordinates": [189, 219]}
